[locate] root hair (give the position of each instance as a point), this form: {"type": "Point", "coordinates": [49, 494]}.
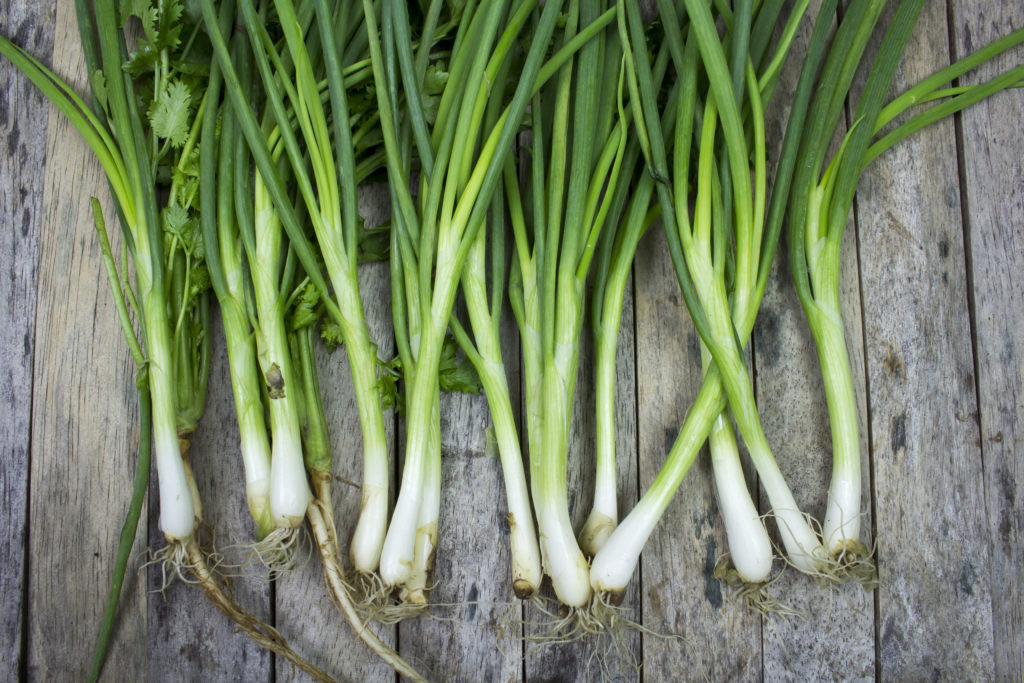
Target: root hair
{"type": "Point", "coordinates": [756, 597]}
{"type": "Point", "coordinates": [608, 624]}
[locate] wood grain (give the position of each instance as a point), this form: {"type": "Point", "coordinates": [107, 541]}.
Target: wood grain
{"type": "Point", "coordinates": [719, 639]}
{"type": "Point", "coordinates": [84, 432]}
{"type": "Point", "coordinates": [993, 178]}
{"type": "Point", "coordinates": [790, 395]}
{"type": "Point", "coordinates": [934, 603]}
{"type": "Point", "coordinates": [23, 130]}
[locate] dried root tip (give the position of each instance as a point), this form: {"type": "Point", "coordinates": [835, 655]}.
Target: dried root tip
{"type": "Point", "coordinates": [753, 596]}
{"type": "Point", "coordinates": [524, 590]}
{"type": "Point", "coordinates": [260, 632]}
{"type": "Point", "coordinates": [854, 562]}
{"type": "Point", "coordinates": [341, 591]}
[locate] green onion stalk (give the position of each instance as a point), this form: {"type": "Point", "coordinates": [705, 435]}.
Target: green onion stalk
{"type": "Point", "coordinates": [224, 230]}
{"type": "Point", "coordinates": [615, 260]}
{"type": "Point", "coordinates": [706, 241]}
{"type": "Point", "coordinates": [484, 351]}
{"type": "Point", "coordinates": [289, 490]}
{"type": "Point", "coordinates": [460, 167]}
{"type": "Point", "coordinates": [324, 169]}
{"type": "Point", "coordinates": [612, 567]}
{"type": "Point", "coordinates": [819, 206]}
{"type": "Point", "coordinates": [327, 184]}
{"type": "Point", "coordinates": [485, 317]}
{"type": "Point", "coordinates": [327, 195]}
{"type": "Point", "coordinates": [166, 251]}
{"type": "Point", "coordinates": [750, 558]}
{"type": "Point", "coordinates": [722, 288]}
{"type": "Point", "coordinates": [579, 134]}
{"type": "Point", "coordinates": [394, 40]}
{"type": "Point", "coordinates": [250, 266]}
{"type": "Point", "coordinates": [629, 214]}
{"type": "Point", "coordinates": [226, 258]}
{"type": "Point", "coordinates": [163, 254]}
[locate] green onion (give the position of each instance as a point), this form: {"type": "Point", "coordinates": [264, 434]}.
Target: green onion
{"type": "Point", "coordinates": [722, 292]}
{"type": "Point", "coordinates": [820, 203]}
{"type": "Point", "coordinates": [326, 180]}
{"type": "Point", "coordinates": [226, 258]}
{"type": "Point", "coordinates": [572, 164]}
{"type": "Point", "coordinates": [435, 234]}
{"type": "Point", "coordinates": [166, 250]}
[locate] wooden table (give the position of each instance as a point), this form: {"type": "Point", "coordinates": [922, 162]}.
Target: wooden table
{"type": "Point", "coordinates": [935, 309]}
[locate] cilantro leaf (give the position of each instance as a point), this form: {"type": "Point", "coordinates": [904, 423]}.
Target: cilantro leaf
{"type": "Point", "coordinates": [307, 309]}
{"type": "Point", "coordinates": [179, 224]}
{"type": "Point", "coordinates": [331, 334]}
{"type": "Point", "coordinates": [389, 375]}
{"type": "Point", "coordinates": [169, 114]}
{"type": "Point", "coordinates": [456, 374]}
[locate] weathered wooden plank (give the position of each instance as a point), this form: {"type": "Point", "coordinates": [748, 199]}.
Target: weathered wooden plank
{"type": "Point", "coordinates": [475, 636]}
{"type": "Point", "coordinates": [84, 431]}
{"type": "Point", "coordinates": [188, 639]}
{"type": "Point", "coordinates": [795, 418]}
{"type": "Point", "coordinates": [993, 175]}
{"type": "Point", "coordinates": [934, 601]}
{"type": "Point", "coordinates": [794, 415]}
{"type": "Point", "coordinates": [23, 127]}
{"type": "Point", "coordinates": [304, 612]}
{"type": "Point", "coordinates": [721, 640]}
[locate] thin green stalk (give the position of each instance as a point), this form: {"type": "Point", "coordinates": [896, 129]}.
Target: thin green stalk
{"type": "Point", "coordinates": [131, 523]}
{"type": "Point", "coordinates": [128, 530]}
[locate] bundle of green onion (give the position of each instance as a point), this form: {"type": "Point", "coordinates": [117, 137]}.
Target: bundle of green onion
{"type": "Point", "coordinates": [243, 176]}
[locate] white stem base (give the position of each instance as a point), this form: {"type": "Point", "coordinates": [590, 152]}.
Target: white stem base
{"type": "Point", "coordinates": [750, 549]}
{"type": "Point", "coordinates": [563, 561]}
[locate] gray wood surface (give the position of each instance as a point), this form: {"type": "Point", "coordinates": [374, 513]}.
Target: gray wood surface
{"type": "Point", "coordinates": [23, 117]}
{"type": "Point", "coordinates": [704, 634]}
{"type": "Point", "coordinates": [993, 204]}
{"type": "Point", "coordinates": [934, 306]}
{"type": "Point", "coordinates": [933, 543]}
{"type": "Point", "coordinates": [84, 416]}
